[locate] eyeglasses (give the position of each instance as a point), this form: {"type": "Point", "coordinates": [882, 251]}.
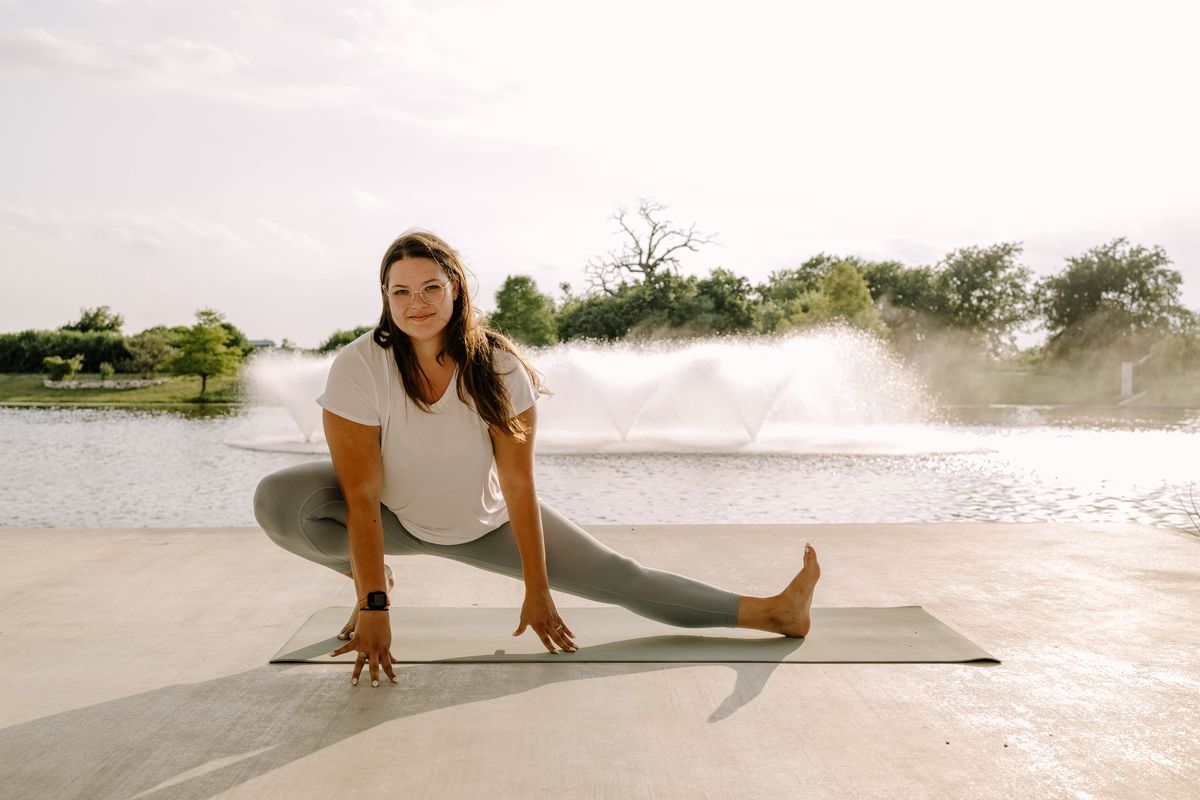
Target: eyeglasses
{"type": "Point", "coordinates": [431, 293]}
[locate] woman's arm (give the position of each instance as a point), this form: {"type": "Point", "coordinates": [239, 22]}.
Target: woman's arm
{"type": "Point", "coordinates": [358, 464]}
{"type": "Point", "coordinates": [514, 467]}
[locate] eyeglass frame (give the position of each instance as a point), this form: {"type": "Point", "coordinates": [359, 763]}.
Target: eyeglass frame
{"type": "Point", "coordinates": [444, 285]}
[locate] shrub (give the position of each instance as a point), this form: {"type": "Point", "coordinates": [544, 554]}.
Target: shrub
{"type": "Point", "coordinates": [62, 369]}
{"type": "Point", "coordinates": [25, 351]}
{"type": "Point", "coordinates": [106, 371]}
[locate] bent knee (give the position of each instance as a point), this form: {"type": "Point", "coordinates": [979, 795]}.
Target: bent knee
{"type": "Point", "coordinates": [279, 495]}
{"type": "Point", "coordinates": [269, 503]}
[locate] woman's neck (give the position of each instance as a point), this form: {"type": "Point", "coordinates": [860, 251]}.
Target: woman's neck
{"type": "Point", "coordinates": [427, 351]}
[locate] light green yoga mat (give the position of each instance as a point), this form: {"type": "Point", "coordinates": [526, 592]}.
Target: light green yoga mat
{"type": "Point", "coordinates": [903, 634]}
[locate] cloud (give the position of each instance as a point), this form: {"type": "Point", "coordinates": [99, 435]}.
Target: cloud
{"type": "Point", "coordinates": [407, 80]}
{"type": "Point", "coordinates": [161, 230]}
{"type": "Point", "coordinates": [163, 62]}
{"type": "Point", "coordinates": [292, 237]}
{"type": "Point", "coordinates": [373, 203]}
{"type": "Point", "coordinates": [169, 64]}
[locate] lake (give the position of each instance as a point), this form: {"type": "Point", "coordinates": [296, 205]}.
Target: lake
{"type": "Point", "coordinates": [111, 467]}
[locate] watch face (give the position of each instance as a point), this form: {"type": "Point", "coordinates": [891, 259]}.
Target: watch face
{"type": "Point", "coordinates": [377, 599]}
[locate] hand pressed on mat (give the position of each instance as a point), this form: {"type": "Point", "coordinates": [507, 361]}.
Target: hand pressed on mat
{"type": "Point", "coordinates": [372, 638]}
{"type": "Point", "coordinates": [538, 612]}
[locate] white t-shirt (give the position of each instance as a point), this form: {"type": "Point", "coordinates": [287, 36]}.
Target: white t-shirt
{"type": "Point", "coordinates": [439, 470]}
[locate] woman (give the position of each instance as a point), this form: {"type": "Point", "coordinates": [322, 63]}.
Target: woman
{"type": "Point", "coordinates": [430, 420]}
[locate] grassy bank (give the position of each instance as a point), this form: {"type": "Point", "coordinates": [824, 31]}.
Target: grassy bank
{"type": "Point", "coordinates": [1001, 386]}
{"type": "Point", "coordinates": [962, 386]}
{"type": "Point", "coordinates": [27, 389]}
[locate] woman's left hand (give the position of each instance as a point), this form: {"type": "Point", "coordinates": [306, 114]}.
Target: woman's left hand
{"type": "Point", "coordinates": [539, 613]}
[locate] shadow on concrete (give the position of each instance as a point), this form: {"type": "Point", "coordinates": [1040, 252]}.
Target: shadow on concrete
{"type": "Point", "coordinates": [197, 740]}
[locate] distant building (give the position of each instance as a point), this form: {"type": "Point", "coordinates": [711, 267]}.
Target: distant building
{"type": "Point", "coordinates": [257, 343]}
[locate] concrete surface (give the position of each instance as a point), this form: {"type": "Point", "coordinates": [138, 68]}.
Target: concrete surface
{"type": "Point", "coordinates": [134, 664]}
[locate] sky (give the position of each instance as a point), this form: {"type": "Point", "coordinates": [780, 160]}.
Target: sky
{"type": "Point", "coordinates": [259, 157]}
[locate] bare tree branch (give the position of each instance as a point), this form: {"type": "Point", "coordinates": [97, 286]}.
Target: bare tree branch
{"type": "Point", "coordinates": [643, 263]}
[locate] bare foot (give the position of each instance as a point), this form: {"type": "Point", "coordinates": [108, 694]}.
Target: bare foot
{"type": "Point", "coordinates": [793, 614]}
{"type": "Point", "coordinates": [349, 628]}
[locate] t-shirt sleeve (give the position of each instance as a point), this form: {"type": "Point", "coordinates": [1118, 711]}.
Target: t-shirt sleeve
{"type": "Point", "coordinates": [350, 390]}
{"type": "Point", "coordinates": [520, 387]}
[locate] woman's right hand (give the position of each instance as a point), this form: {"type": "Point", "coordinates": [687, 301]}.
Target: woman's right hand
{"type": "Point", "coordinates": [372, 638]}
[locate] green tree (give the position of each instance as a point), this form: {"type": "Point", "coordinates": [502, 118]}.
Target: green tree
{"type": "Point", "coordinates": [897, 285]}
{"type": "Point", "coordinates": [984, 292]}
{"type": "Point", "coordinates": [724, 303]}
{"type": "Point", "coordinates": [841, 294]}
{"type": "Point", "coordinates": [173, 334]}
{"type": "Point", "coordinates": [789, 284]}
{"type": "Point", "coordinates": [101, 318]}
{"type": "Point", "coordinates": [524, 313]}
{"type": "Point", "coordinates": [793, 296]}
{"type": "Point", "coordinates": [849, 297]}
{"type": "Point", "coordinates": [1114, 295]}
{"type": "Point", "coordinates": [236, 340]}
{"type": "Point", "coordinates": [604, 317]}
{"type": "Point", "coordinates": [907, 301]}
{"type": "Point", "coordinates": [339, 339]}
{"type": "Point", "coordinates": [204, 350]}
{"type": "Point", "coordinates": [149, 351]}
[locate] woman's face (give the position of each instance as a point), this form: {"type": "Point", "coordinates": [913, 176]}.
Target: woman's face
{"type": "Point", "coordinates": [409, 282]}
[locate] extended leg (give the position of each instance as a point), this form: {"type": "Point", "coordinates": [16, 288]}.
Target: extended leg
{"type": "Point", "coordinates": [578, 564]}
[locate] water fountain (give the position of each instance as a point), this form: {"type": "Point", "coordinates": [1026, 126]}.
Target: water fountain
{"type": "Point", "coordinates": [829, 390]}
{"type": "Point", "coordinates": [834, 390]}
{"type": "Point", "coordinates": [294, 381]}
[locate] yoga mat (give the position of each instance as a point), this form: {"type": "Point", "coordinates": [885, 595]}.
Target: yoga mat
{"type": "Point", "coordinates": [903, 634]}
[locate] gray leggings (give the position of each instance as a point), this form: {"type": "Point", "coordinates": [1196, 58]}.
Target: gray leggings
{"type": "Point", "coordinates": [301, 508]}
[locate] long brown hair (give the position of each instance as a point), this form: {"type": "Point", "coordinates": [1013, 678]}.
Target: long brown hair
{"type": "Point", "coordinates": [467, 340]}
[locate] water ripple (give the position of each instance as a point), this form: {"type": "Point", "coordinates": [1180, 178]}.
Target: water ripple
{"type": "Point", "coordinates": [126, 468]}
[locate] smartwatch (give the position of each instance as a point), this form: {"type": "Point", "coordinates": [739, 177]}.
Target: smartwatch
{"type": "Point", "coordinates": [376, 601]}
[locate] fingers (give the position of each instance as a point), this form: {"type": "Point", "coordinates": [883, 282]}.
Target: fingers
{"type": "Point", "coordinates": [374, 669]}
{"type": "Point", "coordinates": [358, 665]}
{"type": "Point", "coordinates": [563, 637]}
{"type": "Point", "coordinates": [556, 633]}
{"type": "Point", "coordinates": [374, 662]}
{"type": "Point", "coordinates": [551, 632]}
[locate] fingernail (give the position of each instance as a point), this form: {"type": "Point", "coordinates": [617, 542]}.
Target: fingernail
{"type": "Point", "coordinates": [374, 683]}
{"type": "Point", "coordinates": [395, 680]}
{"type": "Point", "coordinates": [354, 681]}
